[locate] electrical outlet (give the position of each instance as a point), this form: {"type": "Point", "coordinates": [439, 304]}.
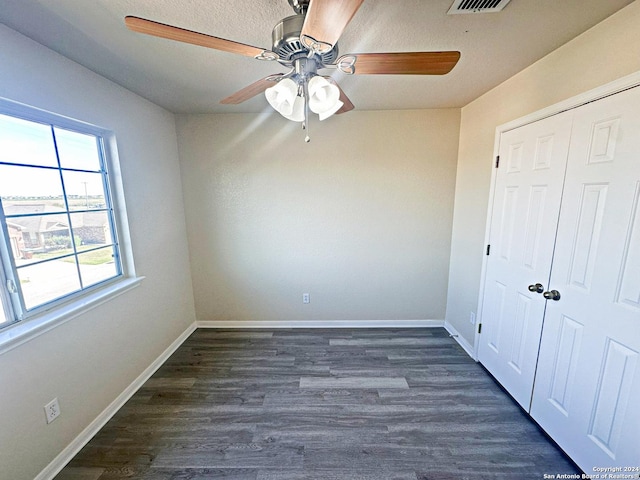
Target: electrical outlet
{"type": "Point", "coordinates": [52, 410]}
{"type": "Point", "coordinates": [305, 298]}
{"type": "Point", "coordinates": [472, 318]}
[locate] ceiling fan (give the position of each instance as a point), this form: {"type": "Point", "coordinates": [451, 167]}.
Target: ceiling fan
{"type": "Point", "coordinates": [306, 43]}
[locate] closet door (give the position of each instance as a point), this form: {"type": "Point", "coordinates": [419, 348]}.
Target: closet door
{"type": "Point", "coordinates": [528, 190]}
{"type": "Point", "coordinates": [587, 389]}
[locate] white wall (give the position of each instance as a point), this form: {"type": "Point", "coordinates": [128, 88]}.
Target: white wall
{"type": "Point", "coordinates": [360, 218]}
{"type": "Point", "coordinates": [88, 361]}
{"type": "Point", "coordinates": [606, 52]}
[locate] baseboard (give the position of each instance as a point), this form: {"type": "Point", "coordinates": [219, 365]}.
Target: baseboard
{"type": "Point", "coordinates": [319, 323]}
{"type": "Point", "coordinates": [71, 450]}
{"type": "Point", "coordinates": [461, 341]}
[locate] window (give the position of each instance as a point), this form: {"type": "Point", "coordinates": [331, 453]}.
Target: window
{"type": "Point", "coordinates": [58, 235]}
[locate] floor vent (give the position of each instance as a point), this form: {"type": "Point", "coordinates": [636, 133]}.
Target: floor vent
{"type": "Point", "coordinates": [477, 6]}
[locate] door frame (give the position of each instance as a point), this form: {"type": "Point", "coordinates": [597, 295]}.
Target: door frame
{"type": "Point", "coordinates": [624, 83]}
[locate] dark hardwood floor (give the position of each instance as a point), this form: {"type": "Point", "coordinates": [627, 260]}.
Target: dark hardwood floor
{"type": "Point", "coordinates": [388, 404]}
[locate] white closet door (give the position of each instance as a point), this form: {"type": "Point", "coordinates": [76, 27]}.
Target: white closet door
{"type": "Point", "coordinates": [527, 194]}
{"type": "Point", "coordinates": [587, 389]}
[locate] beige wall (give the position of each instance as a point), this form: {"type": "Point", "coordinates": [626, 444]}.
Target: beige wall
{"type": "Point", "coordinates": [608, 51]}
{"type": "Point", "coordinates": [90, 360]}
{"type": "Point", "coordinates": [360, 218]}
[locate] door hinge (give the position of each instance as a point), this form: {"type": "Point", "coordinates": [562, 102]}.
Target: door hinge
{"type": "Point", "coordinates": [497, 161]}
{"type": "Point", "coordinates": [488, 249]}
{"type": "Point", "coordinates": [479, 328]}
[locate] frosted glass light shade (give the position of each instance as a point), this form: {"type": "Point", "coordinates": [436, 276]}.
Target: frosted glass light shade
{"type": "Point", "coordinates": [297, 114]}
{"type": "Point", "coordinates": [282, 96]}
{"type": "Point", "coordinates": [327, 113]}
{"type": "Point", "coordinates": [324, 97]}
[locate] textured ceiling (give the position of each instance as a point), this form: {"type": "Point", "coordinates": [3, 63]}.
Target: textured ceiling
{"type": "Point", "coordinates": [190, 79]}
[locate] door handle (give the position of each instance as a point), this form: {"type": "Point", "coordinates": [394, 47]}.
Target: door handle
{"type": "Point", "coordinates": [552, 295]}
{"type": "Point", "coordinates": [538, 288]}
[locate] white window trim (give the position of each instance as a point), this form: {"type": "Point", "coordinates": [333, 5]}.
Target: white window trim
{"type": "Point", "coordinates": [23, 331]}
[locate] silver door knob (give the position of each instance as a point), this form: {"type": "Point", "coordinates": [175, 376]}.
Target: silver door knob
{"type": "Point", "coordinates": [538, 288]}
{"type": "Point", "coordinates": [552, 295]}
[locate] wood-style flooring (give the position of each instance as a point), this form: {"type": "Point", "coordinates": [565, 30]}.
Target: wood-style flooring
{"type": "Point", "coordinates": [361, 404]}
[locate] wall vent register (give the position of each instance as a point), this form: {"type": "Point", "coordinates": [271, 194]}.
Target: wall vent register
{"type": "Point", "coordinates": [477, 6]}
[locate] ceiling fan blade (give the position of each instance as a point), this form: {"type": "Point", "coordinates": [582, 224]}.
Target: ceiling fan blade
{"type": "Point", "coordinates": [170, 32]}
{"type": "Point", "coordinates": [252, 90]}
{"type": "Point", "coordinates": [325, 21]}
{"type": "Point", "coordinates": [404, 63]}
{"type": "Point", "coordinates": [347, 106]}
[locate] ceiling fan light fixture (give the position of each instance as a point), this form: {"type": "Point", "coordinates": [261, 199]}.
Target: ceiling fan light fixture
{"type": "Point", "coordinates": [318, 94]}
{"type": "Point", "coordinates": [282, 96]}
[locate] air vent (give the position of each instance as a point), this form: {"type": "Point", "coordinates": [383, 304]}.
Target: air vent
{"type": "Point", "coordinates": [477, 6]}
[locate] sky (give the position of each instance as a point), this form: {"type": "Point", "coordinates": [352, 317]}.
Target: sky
{"type": "Point", "coordinates": [32, 143]}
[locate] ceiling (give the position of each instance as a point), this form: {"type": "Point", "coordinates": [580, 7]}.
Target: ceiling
{"type": "Point", "coordinates": [190, 79]}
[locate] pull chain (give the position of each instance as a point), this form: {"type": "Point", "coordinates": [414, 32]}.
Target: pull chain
{"type": "Point", "coordinates": [305, 96]}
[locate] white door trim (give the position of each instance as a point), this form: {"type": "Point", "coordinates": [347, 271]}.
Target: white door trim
{"type": "Point", "coordinates": [606, 90]}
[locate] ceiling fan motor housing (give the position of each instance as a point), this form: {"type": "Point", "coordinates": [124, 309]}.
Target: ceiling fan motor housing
{"type": "Point", "coordinates": [287, 44]}
{"type": "Point", "coordinates": [299, 6]}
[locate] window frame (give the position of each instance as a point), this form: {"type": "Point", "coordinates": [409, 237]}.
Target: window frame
{"type": "Point", "coordinates": [20, 321]}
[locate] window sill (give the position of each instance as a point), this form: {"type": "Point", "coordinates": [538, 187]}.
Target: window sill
{"type": "Point", "coordinates": [22, 332]}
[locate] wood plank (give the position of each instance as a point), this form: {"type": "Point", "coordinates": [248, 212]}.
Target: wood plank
{"type": "Point", "coordinates": [371, 404]}
{"type": "Point", "coordinates": [353, 382]}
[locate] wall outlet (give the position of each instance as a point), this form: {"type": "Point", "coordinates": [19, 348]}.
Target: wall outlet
{"type": "Point", "coordinates": [52, 410]}
{"type": "Point", "coordinates": [472, 318]}
{"type": "Point", "coordinates": [305, 298]}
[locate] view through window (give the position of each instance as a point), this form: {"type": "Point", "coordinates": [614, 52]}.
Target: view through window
{"type": "Point", "coordinates": [58, 229]}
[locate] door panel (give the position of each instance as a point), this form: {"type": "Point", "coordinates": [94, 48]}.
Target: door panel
{"type": "Point", "coordinates": [528, 190]}
{"type": "Point", "coordinates": [588, 379]}
{"type": "Point", "coordinates": [628, 291]}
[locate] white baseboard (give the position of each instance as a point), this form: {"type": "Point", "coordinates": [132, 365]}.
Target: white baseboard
{"type": "Point", "coordinates": [461, 341]}
{"type": "Point", "coordinates": [64, 457]}
{"type": "Point", "coordinates": [319, 323]}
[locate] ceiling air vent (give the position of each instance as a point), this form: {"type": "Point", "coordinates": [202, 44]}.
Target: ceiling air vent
{"type": "Point", "coordinates": [477, 6]}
